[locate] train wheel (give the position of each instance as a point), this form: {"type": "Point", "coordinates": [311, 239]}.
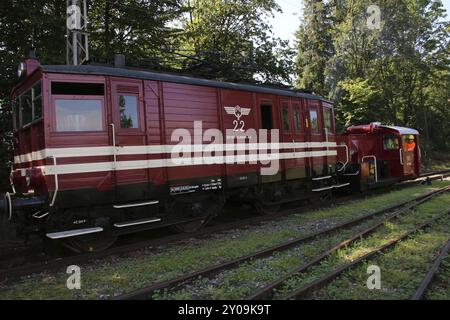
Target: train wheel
{"type": "Point", "coordinates": [91, 243]}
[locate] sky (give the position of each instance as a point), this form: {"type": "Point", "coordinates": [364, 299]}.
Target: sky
{"type": "Point", "coordinates": [285, 24]}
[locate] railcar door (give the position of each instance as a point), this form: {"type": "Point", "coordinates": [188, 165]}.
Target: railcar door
{"type": "Point", "coordinates": [300, 161]}
{"type": "Point", "coordinates": [78, 140]}
{"type": "Point", "coordinates": [287, 156]}
{"type": "Point", "coordinates": [391, 166]}
{"type": "Point", "coordinates": [317, 160]}
{"type": "Point", "coordinates": [128, 129]}
{"type": "Point", "coordinates": [409, 146]}
{"type": "Point", "coordinates": [239, 122]}
{"type": "Point", "coordinates": [330, 137]}
{"type": "Point", "coordinates": [268, 119]}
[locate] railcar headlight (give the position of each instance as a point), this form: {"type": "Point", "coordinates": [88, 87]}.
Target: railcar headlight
{"type": "Point", "coordinates": [21, 70]}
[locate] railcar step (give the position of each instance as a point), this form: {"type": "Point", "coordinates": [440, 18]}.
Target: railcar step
{"type": "Point", "coordinates": [132, 205]}
{"type": "Point", "coordinates": [321, 178]}
{"type": "Point", "coordinates": [73, 233]}
{"type": "Point", "coordinates": [336, 186]}
{"type": "Point", "coordinates": [341, 185]}
{"type": "Point", "coordinates": [136, 222]}
{"type": "Point", "coordinates": [322, 189]}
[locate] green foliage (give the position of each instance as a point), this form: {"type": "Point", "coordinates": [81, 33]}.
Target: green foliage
{"type": "Point", "coordinates": [315, 47]}
{"type": "Point", "coordinates": [360, 104]}
{"type": "Point", "coordinates": [233, 40]}
{"type": "Point", "coordinates": [136, 28]}
{"type": "Point", "coordinates": [399, 74]}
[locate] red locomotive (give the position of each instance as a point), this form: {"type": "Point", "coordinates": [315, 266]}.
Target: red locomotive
{"type": "Point", "coordinates": [103, 151]}
{"type": "Point", "coordinates": [379, 155]}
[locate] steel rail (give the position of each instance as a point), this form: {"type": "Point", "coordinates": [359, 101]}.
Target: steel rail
{"type": "Point", "coordinates": [321, 282]}
{"type": "Point", "coordinates": [60, 262]}
{"type": "Point", "coordinates": [418, 295]}
{"type": "Point", "coordinates": [146, 292]}
{"type": "Point", "coordinates": [266, 291]}
{"type": "Point", "coordinates": [12, 273]}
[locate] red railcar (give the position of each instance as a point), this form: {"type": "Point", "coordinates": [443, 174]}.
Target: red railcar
{"type": "Point", "coordinates": [379, 155]}
{"type": "Point", "coordinates": [101, 151]}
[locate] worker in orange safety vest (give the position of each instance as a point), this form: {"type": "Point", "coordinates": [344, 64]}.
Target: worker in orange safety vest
{"type": "Point", "coordinates": [410, 145]}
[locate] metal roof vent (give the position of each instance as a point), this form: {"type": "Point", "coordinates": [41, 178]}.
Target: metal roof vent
{"type": "Point", "coordinates": [119, 61]}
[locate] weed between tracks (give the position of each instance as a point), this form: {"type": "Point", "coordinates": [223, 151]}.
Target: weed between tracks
{"type": "Point", "coordinates": [440, 287]}
{"type": "Point", "coordinates": [241, 282]}
{"type": "Point", "coordinates": [402, 268]}
{"type": "Point", "coordinates": [113, 276]}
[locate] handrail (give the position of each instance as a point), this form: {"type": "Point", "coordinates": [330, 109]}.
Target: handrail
{"type": "Point", "coordinates": [346, 155]}
{"type": "Point", "coordinates": [11, 180]}
{"type": "Point", "coordinates": [376, 170]}
{"type": "Point", "coordinates": [113, 128]}
{"type": "Point", "coordinates": [401, 156]}
{"type": "Point", "coordinates": [351, 174]}
{"type": "Point", "coordinates": [8, 206]}
{"type": "Point", "coordinates": [56, 182]}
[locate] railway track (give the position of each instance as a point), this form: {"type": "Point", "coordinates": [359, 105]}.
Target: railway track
{"type": "Point", "coordinates": [321, 282]}
{"type": "Point", "coordinates": [392, 212]}
{"type": "Point", "coordinates": [426, 282]}
{"type": "Point", "coordinates": [21, 269]}
{"type": "Point", "coordinates": [14, 272]}
{"type": "Point", "coordinates": [267, 291]}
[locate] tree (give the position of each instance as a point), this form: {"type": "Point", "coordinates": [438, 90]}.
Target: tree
{"type": "Point", "coordinates": [136, 28]}
{"type": "Point", "coordinates": [230, 39]}
{"type": "Point", "coordinates": [315, 47]}
{"type": "Point", "coordinates": [395, 68]}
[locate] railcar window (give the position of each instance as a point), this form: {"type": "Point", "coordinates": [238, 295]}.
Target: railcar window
{"type": "Point", "coordinates": [266, 116]}
{"type": "Point", "coordinates": [390, 142]}
{"type": "Point", "coordinates": [327, 117]}
{"type": "Point", "coordinates": [297, 119]}
{"type": "Point", "coordinates": [76, 88]}
{"type": "Point", "coordinates": [26, 108]}
{"type": "Point", "coordinates": [409, 143]}
{"type": "Point", "coordinates": [16, 114]}
{"type": "Point", "coordinates": [128, 112]}
{"type": "Point", "coordinates": [314, 120]}
{"type": "Point", "coordinates": [78, 115]}
{"type": "Point", "coordinates": [286, 125]}
{"type": "Point", "coordinates": [37, 101]}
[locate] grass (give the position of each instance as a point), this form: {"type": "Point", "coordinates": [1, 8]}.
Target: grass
{"type": "Point", "coordinates": [241, 282]}
{"type": "Point", "coordinates": [115, 276]}
{"type": "Point", "coordinates": [402, 268]}
{"type": "Point", "coordinates": [440, 287]}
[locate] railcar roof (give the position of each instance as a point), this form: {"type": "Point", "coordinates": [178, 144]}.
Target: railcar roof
{"type": "Point", "coordinates": [147, 75]}
{"type": "Point", "coordinates": [402, 130]}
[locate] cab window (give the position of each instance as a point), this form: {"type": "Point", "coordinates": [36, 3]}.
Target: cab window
{"type": "Point", "coordinates": [314, 120]}
{"type": "Point", "coordinates": [28, 106]}
{"type": "Point", "coordinates": [128, 107]}
{"type": "Point", "coordinates": [78, 107]}
{"type": "Point", "coordinates": [391, 142]}
{"type": "Point", "coordinates": [297, 119]}
{"type": "Point", "coordinates": [409, 143]}
{"type": "Point", "coordinates": [286, 124]}
{"type": "Point", "coordinates": [327, 119]}
{"type": "Point", "coordinates": [266, 116]}
{"type": "Point", "coordinates": [74, 115]}
{"type": "Point", "coordinates": [37, 101]}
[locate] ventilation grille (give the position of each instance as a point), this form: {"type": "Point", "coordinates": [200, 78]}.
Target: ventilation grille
{"type": "Point", "coordinates": [130, 89]}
